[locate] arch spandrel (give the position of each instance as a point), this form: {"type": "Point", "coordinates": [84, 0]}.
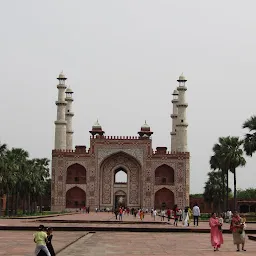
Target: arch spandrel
{"type": "Point", "coordinates": [82, 186]}
{"type": "Point", "coordinates": [105, 153]}
{"type": "Point", "coordinates": [120, 192]}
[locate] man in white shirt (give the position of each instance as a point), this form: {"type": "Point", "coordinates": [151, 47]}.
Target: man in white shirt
{"type": "Point", "coordinates": [196, 214]}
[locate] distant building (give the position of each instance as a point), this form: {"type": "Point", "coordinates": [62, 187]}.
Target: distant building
{"type": "Point", "coordinates": [87, 177]}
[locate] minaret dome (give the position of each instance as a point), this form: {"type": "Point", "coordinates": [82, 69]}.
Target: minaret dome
{"type": "Point", "coordinates": [145, 131]}
{"type": "Point", "coordinates": [182, 78]}
{"type": "Point", "coordinates": [97, 129]}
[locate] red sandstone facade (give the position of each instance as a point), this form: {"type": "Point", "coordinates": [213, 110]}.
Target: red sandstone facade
{"type": "Point", "coordinates": [84, 177]}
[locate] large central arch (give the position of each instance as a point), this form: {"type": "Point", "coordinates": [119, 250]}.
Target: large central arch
{"type": "Point", "coordinates": [108, 169]}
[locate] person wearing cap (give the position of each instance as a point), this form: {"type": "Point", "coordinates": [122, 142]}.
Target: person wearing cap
{"type": "Point", "coordinates": [40, 238]}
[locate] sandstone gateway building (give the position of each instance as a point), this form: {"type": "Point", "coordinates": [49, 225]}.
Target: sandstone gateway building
{"type": "Point", "coordinates": [87, 177]}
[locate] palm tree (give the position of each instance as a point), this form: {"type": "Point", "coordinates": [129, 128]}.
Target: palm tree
{"type": "Point", "coordinates": [250, 138]}
{"type": "Point", "coordinates": [233, 156]}
{"type": "Point", "coordinates": [217, 162]}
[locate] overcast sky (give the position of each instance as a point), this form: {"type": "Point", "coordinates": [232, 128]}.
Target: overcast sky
{"type": "Point", "coordinates": [122, 59]}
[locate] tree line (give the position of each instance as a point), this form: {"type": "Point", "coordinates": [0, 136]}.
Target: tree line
{"type": "Point", "coordinates": [228, 155]}
{"type": "Point", "coordinates": [23, 181]}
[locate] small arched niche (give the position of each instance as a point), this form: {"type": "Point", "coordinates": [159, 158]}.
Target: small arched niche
{"type": "Point", "coordinates": [164, 175]}
{"type": "Point", "coordinates": [120, 176]}
{"type": "Point", "coordinates": [76, 174]}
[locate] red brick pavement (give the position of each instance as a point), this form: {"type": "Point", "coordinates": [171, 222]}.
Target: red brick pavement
{"type": "Point", "coordinates": [18, 243]}
{"type": "Point", "coordinates": [100, 217]}
{"type": "Point", "coordinates": [178, 244]}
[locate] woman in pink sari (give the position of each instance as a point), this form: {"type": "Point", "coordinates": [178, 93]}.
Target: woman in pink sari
{"type": "Point", "coordinates": [216, 234]}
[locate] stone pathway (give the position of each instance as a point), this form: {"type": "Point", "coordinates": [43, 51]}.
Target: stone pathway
{"type": "Point", "coordinates": [127, 244]}
{"type": "Point", "coordinates": [19, 243]}
{"type": "Point", "coordinates": [105, 218]}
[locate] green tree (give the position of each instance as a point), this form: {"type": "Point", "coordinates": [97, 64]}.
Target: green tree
{"type": "Point", "coordinates": [250, 138]}
{"type": "Point", "coordinates": [196, 195]}
{"type": "Point", "coordinates": [233, 155]}
{"type": "Point", "coordinates": [218, 162]}
{"type": "Point", "coordinates": [247, 194]}
{"type": "Point", "coordinates": [213, 190]}
{"type": "Point", "coordinates": [22, 179]}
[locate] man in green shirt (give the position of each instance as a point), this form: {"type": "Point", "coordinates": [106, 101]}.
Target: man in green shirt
{"type": "Point", "coordinates": [40, 238]}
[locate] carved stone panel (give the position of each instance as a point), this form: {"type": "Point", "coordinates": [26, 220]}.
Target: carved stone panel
{"type": "Point", "coordinates": [103, 153]}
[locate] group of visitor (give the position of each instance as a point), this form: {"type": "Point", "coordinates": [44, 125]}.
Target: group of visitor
{"type": "Point", "coordinates": [121, 211]}
{"type": "Point", "coordinates": [85, 209]}
{"type": "Point", "coordinates": [179, 215]}
{"type": "Point", "coordinates": [43, 239]}
{"type": "Point", "coordinates": [237, 228]}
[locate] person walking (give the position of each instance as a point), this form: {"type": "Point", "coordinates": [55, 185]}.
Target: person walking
{"type": "Point", "coordinates": [154, 214]}
{"type": "Point", "coordinates": [196, 214]}
{"type": "Point", "coordinates": [168, 214]}
{"type": "Point", "coordinates": [237, 228]}
{"type": "Point", "coordinates": [120, 213]}
{"type": "Point", "coordinates": [49, 241]}
{"type": "Point", "coordinates": [216, 234]}
{"type": "Point", "coordinates": [40, 238]}
{"type": "Point", "coordinates": [175, 215]}
{"type": "Point", "coordinates": [162, 214]}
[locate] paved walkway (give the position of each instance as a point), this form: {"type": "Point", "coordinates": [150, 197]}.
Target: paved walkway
{"type": "Point", "coordinates": [127, 244]}
{"type": "Point", "coordinates": [104, 217]}
{"type": "Point", "coordinates": [19, 243]}
{"type": "Point", "coordinates": [16, 243]}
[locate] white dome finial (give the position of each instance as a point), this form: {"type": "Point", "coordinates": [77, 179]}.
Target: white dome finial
{"type": "Point", "coordinates": [97, 124]}
{"type": "Point", "coordinates": [61, 75]}
{"type": "Point", "coordinates": [182, 77]}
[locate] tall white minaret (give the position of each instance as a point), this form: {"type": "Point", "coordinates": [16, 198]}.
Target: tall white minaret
{"type": "Point", "coordinates": [181, 125]}
{"type": "Point", "coordinates": [60, 123]}
{"type": "Point", "coordinates": [69, 116]}
{"type": "Point", "coordinates": [174, 116]}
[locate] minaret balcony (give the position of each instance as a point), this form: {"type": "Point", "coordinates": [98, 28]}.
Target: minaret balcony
{"type": "Point", "coordinates": [182, 88]}
{"type": "Point", "coordinates": [69, 99]}
{"type": "Point", "coordinates": [61, 86]}
{"type": "Point", "coordinates": [182, 105]}
{"type": "Point", "coordinates": [60, 122]}
{"type": "Point", "coordinates": [59, 103]}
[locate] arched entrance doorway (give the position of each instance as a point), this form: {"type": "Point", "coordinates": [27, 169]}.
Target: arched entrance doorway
{"type": "Point", "coordinates": [120, 171]}
{"type": "Point", "coordinates": [164, 198]}
{"type": "Point", "coordinates": [120, 199]}
{"type": "Point", "coordinates": [75, 198]}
